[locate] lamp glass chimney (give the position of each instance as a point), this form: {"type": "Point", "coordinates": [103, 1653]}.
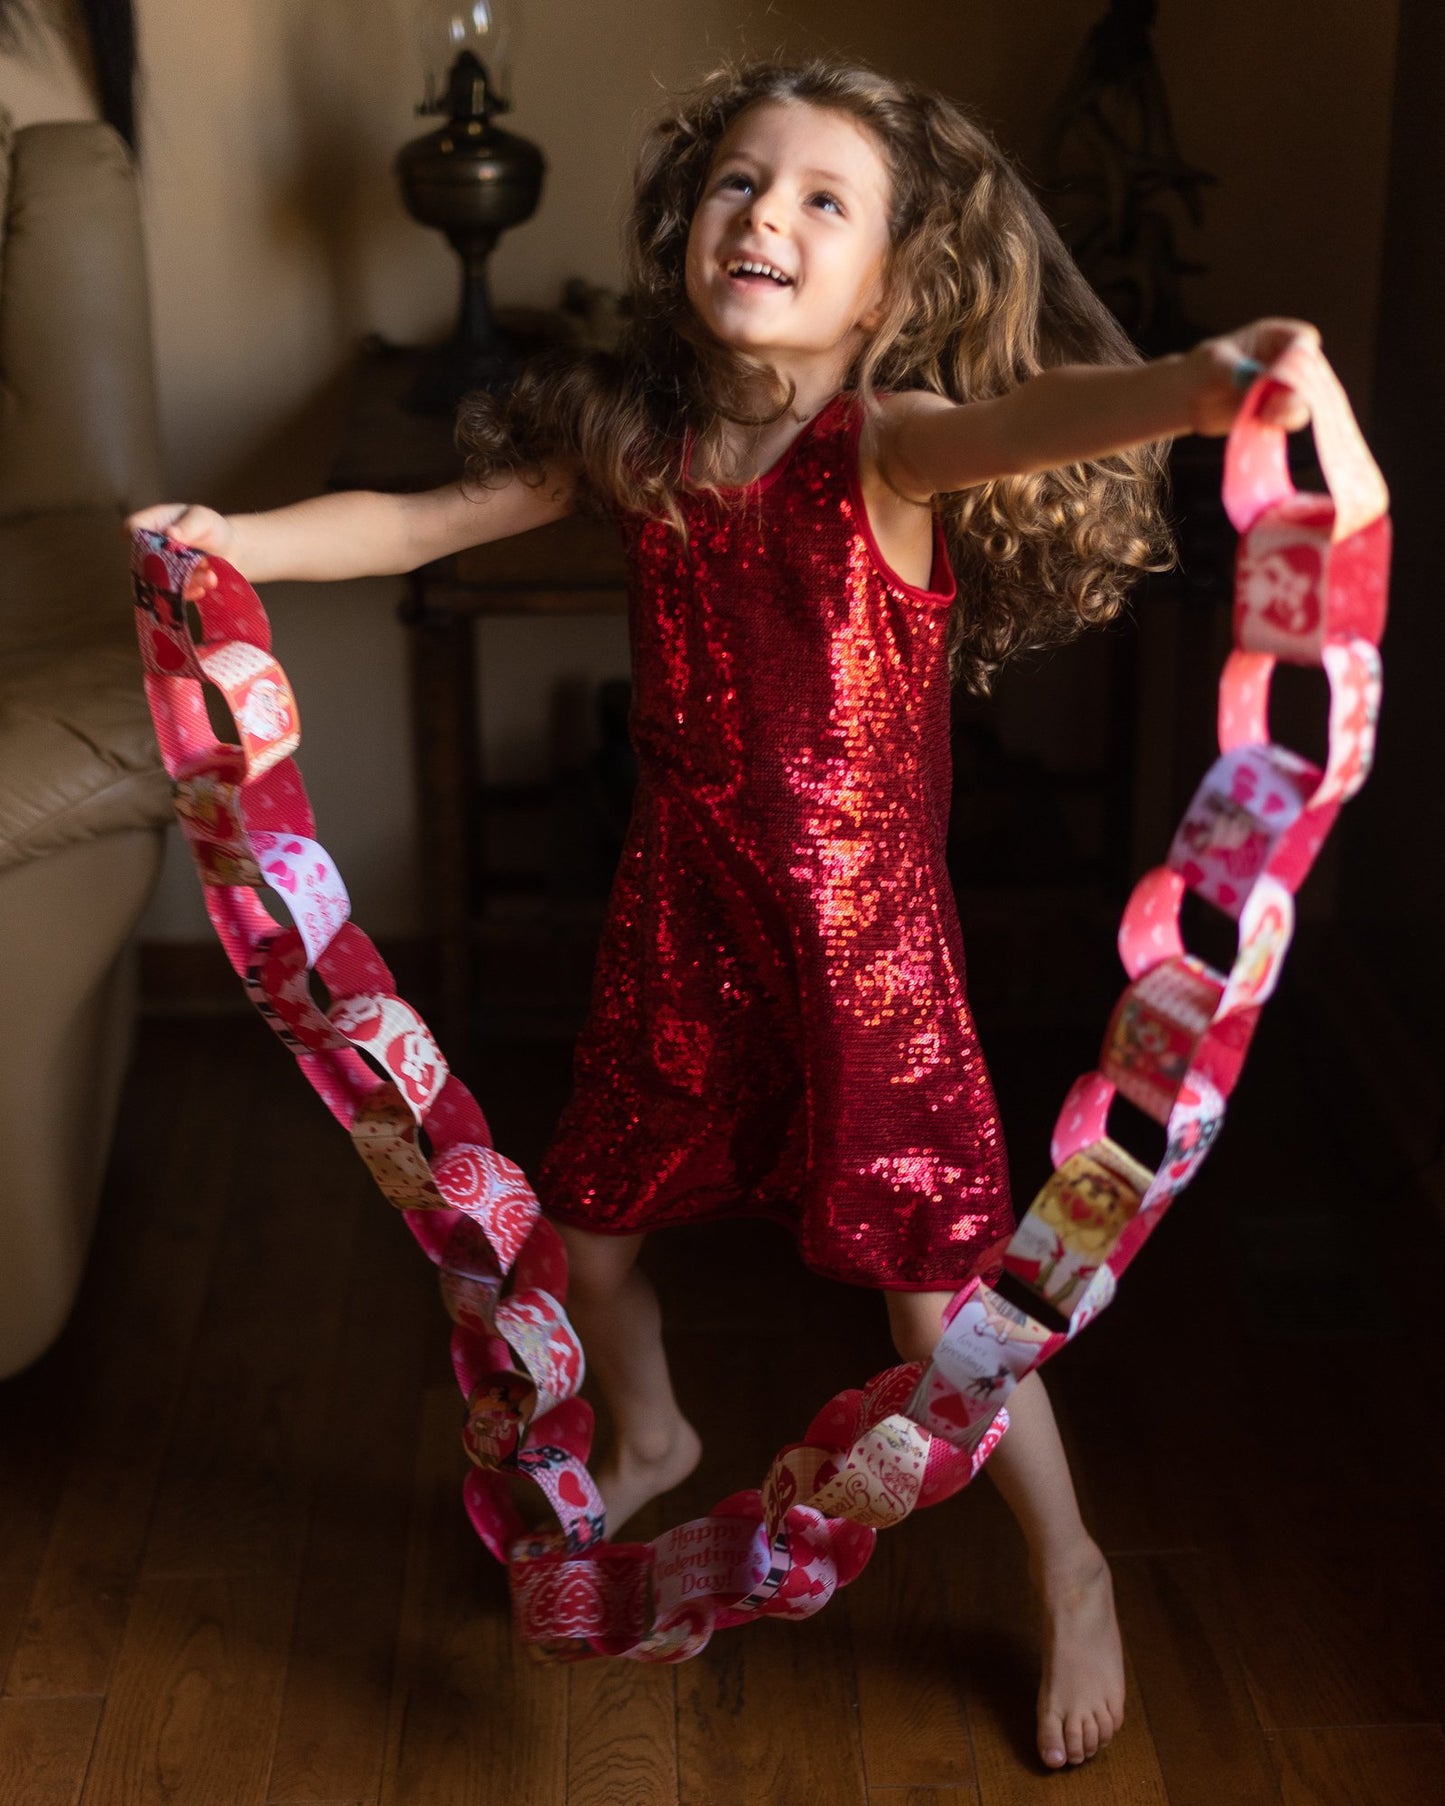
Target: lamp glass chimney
{"type": "Point", "coordinates": [448, 29]}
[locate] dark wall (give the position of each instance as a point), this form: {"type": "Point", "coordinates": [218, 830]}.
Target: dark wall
{"type": "Point", "coordinates": [1394, 868]}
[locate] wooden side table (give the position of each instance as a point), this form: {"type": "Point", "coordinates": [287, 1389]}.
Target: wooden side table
{"type": "Point", "coordinates": [573, 567]}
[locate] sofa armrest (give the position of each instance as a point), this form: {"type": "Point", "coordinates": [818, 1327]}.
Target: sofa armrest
{"type": "Point", "coordinates": [78, 424]}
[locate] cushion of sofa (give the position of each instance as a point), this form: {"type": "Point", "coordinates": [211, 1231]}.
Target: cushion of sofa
{"type": "Point", "coordinates": [77, 754]}
{"type": "Point", "coordinates": [78, 426]}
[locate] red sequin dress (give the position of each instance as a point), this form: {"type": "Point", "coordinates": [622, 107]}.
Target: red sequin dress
{"type": "Point", "coordinates": [778, 1021]}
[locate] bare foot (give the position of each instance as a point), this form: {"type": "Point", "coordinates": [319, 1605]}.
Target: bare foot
{"type": "Point", "coordinates": [638, 1470]}
{"type": "Point", "coordinates": [1081, 1697]}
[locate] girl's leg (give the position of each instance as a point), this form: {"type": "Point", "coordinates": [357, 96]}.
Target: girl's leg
{"type": "Point", "coordinates": [1081, 1698]}
{"type": "Point", "coordinates": [615, 1311]}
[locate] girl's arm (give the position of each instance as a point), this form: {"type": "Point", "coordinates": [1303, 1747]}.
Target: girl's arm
{"type": "Point", "coordinates": [359, 533]}
{"type": "Point", "coordinates": [927, 445]}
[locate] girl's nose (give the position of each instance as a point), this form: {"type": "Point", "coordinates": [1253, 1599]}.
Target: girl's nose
{"type": "Point", "coordinates": [766, 211]}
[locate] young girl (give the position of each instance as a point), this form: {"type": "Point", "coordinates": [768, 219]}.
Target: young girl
{"type": "Point", "coordinates": [859, 350]}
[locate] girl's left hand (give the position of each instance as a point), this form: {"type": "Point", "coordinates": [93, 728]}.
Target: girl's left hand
{"type": "Point", "coordinates": [1225, 369]}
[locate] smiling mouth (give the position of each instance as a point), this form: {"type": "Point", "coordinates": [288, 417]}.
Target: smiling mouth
{"type": "Point", "coordinates": [744, 269]}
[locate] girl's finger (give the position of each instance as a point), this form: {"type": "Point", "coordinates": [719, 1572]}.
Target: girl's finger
{"type": "Point", "coordinates": [1276, 337]}
{"type": "Point", "coordinates": [1286, 410]}
{"type": "Point", "coordinates": [157, 518]}
{"type": "Point", "coordinates": [1270, 342]}
{"type": "Point", "coordinates": [200, 527]}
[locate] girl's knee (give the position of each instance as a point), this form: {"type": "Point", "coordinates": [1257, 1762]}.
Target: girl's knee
{"type": "Point", "coordinates": [916, 1321]}
{"type": "Point", "coordinates": [597, 1265]}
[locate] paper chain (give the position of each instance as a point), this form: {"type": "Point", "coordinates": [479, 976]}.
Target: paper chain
{"type": "Point", "coordinates": [1310, 589]}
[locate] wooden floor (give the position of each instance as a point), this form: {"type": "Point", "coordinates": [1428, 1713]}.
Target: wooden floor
{"type": "Point", "coordinates": [234, 1567]}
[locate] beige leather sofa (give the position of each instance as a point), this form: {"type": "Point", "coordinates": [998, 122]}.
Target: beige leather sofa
{"type": "Point", "coordinates": [83, 801]}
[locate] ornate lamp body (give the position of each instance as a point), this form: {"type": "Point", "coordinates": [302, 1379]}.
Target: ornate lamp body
{"type": "Point", "coordinates": [471, 181]}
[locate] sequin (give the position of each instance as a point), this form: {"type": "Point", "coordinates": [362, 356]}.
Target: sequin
{"type": "Point", "coordinates": [778, 1024]}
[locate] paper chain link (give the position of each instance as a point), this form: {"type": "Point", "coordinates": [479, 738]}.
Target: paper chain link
{"type": "Point", "coordinates": [1310, 589]}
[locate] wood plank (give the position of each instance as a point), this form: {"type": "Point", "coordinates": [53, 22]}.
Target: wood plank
{"type": "Point", "coordinates": [1362, 1765]}
{"type": "Point", "coordinates": [1322, 1541]}
{"type": "Point", "coordinates": [923, 1796]}
{"type": "Point", "coordinates": [1001, 1676]}
{"type": "Point", "coordinates": [622, 1735]}
{"type": "Point", "coordinates": [193, 1702]}
{"type": "Point", "coordinates": [235, 1492]}
{"type": "Point", "coordinates": [1207, 1739]}
{"type": "Point", "coordinates": [1321, 1549]}
{"type": "Point", "coordinates": [14, 1597]}
{"type": "Point", "coordinates": [766, 1713]}
{"type": "Point", "coordinates": [1331, 1637]}
{"type": "Point", "coordinates": [165, 1202]}
{"type": "Point", "coordinates": [43, 1408]}
{"type": "Point", "coordinates": [332, 1738]}
{"type": "Point", "coordinates": [34, 1432]}
{"type": "Point", "coordinates": [473, 1717]}
{"type": "Point", "coordinates": [45, 1747]}
{"type": "Point", "coordinates": [907, 1653]}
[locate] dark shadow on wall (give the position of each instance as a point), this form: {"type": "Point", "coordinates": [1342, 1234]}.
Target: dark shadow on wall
{"type": "Point", "coordinates": [1393, 875]}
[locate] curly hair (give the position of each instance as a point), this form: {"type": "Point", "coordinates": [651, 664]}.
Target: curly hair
{"type": "Point", "coordinates": [980, 295]}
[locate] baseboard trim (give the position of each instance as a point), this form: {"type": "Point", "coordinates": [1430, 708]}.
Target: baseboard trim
{"type": "Point", "coordinates": [194, 978]}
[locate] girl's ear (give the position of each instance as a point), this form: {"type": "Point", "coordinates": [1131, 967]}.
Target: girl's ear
{"type": "Point", "coordinates": [875, 313]}
{"type": "Point", "coordinates": [873, 317]}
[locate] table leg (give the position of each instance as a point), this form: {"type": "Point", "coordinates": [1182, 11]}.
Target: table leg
{"type": "Point", "coordinates": [445, 729]}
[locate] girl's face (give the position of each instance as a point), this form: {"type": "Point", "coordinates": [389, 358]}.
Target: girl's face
{"type": "Point", "coordinates": [786, 255]}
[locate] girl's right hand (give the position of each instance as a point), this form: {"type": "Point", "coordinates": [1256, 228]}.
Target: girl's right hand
{"type": "Point", "coordinates": [188, 524]}
{"type": "Point", "coordinates": [1224, 368]}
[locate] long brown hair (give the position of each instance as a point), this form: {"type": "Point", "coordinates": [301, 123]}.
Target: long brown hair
{"type": "Point", "coordinates": [981, 295]}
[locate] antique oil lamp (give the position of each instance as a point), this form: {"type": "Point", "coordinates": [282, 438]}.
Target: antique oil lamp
{"type": "Point", "coordinates": [470, 180]}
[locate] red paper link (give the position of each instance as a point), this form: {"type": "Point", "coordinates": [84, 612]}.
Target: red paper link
{"type": "Point", "coordinates": [1311, 586]}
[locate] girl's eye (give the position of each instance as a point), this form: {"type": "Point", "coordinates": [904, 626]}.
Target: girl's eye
{"type": "Point", "coordinates": [736, 180]}
{"type": "Point", "coordinates": [829, 202]}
